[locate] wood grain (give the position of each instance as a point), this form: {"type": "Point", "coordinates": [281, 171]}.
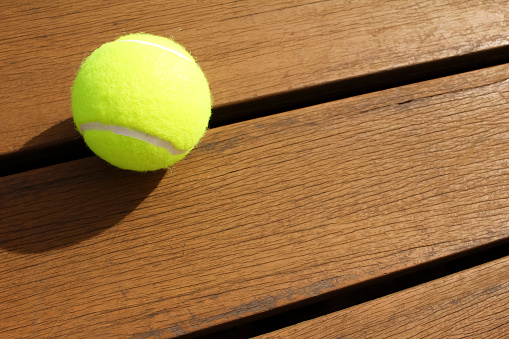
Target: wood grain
{"type": "Point", "coordinates": [262, 214]}
{"type": "Point", "coordinates": [472, 303]}
{"type": "Point", "coordinates": [247, 49]}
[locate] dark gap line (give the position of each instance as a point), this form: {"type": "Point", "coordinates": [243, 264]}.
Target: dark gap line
{"type": "Point", "coordinates": [331, 302]}
{"type": "Point", "coordinates": [30, 159]}
{"type": "Point", "coordinates": [345, 88]}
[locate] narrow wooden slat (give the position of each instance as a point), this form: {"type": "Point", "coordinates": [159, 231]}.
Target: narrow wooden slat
{"type": "Point", "coordinates": [248, 49]}
{"type": "Point", "coordinates": [473, 303]}
{"type": "Point", "coordinates": [263, 213]}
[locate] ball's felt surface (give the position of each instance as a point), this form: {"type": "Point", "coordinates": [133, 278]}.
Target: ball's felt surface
{"type": "Point", "coordinates": [139, 99]}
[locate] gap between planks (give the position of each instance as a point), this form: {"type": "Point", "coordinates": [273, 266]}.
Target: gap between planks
{"type": "Point", "coordinates": [285, 319]}
{"type": "Point", "coordinates": [472, 303]}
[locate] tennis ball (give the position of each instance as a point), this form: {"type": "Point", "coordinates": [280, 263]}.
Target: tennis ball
{"type": "Point", "coordinates": [141, 102]}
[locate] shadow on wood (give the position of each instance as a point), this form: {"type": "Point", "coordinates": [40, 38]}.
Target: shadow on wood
{"type": "Point", "coordinates": [46, 149]}
{"type": "Point", "coordinates": [35, 219]}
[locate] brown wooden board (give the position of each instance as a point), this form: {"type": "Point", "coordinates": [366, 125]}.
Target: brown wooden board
{"type": "Point", "coordinates": [472, 303]}
{"type": "Point", "coordinates": [247, 49]}
{"type": "Point", "coordinates": [262, 214]}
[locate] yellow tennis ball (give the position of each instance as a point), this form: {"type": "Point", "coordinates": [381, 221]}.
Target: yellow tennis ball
{"type": "Point", "coordinates": [141, 102]}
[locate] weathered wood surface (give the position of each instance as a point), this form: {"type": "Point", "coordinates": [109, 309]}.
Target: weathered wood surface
{"type": "Point", "coordinates": [247, 49]}
{"type": "Point", "coordinates": [263, 213]}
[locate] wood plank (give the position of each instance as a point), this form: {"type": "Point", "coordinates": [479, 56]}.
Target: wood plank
{"type": "Point", "coordinates": [263, 213]}
{"type": "Point", "coordinates": [472, 303]}
{"type": "Point", "coordinates": [248, 49]}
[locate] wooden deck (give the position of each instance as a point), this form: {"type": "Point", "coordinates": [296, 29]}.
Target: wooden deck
{"type": "Point", "coordinates": [351, 148]}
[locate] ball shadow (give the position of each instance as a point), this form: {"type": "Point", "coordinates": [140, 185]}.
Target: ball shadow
{"type": "Point", "coordinates": [65, 204]}
{"type": "Point", "coordinates": [60, 143]}
{"type": "Point", "coordinates": [53, 136]}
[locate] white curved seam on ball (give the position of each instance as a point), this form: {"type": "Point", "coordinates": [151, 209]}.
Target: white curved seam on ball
{"type": "Point", "coordinates": [151, 139]}
{"type": "Point", "coordinates": [158, 46]}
